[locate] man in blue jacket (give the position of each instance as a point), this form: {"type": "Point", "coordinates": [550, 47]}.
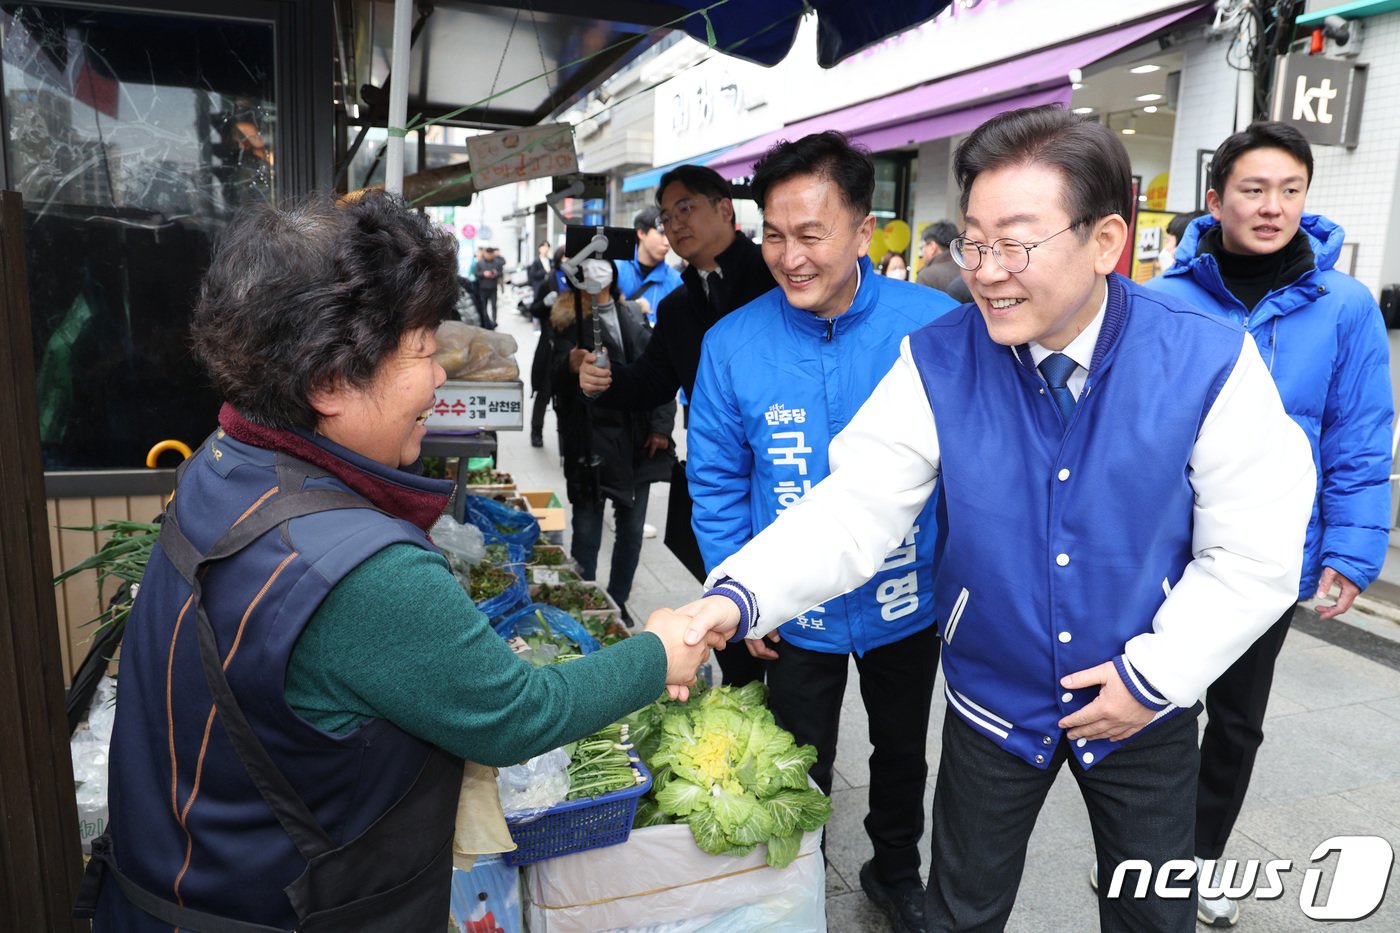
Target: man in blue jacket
{"type": "Point", "coordinates": [778, 379]}
{"type": "Point", "coordinates": [1121, 503]}
{"type": "Point", "coordinates": [1260, 261]}
{"type": "Point", "coordinates": [647, 278]}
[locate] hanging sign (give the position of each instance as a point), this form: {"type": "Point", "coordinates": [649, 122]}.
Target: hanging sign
{"type": "Point", "coordinates": [518, 155]}
{"type": "Point", "coordinates": [1321, 98]}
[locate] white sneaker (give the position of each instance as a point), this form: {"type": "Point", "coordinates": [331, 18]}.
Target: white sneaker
{"type": "Point", "coordinates": [648, 530]}
{"type": "Point", "coordinates": [1217, 911]}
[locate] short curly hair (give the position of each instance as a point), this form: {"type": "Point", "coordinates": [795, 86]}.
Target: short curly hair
{"type": "Point", "coordinates": [316, 295]}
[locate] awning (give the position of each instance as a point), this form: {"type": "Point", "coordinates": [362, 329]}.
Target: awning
{"type": "Point", "coordinates": [957, 104]}
{"type": "Point", "coordinates": [652, 176]}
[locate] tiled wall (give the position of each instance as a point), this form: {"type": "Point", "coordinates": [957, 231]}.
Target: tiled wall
{"type": "Point", "coordinates": [1205, 114]}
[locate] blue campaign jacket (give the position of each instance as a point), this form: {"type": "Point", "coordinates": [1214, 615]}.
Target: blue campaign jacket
{"type": "Point", "coordinates": [657, 284]}
{"type": "Point", "coordinates": [775, 385]}
{"type": "Point", "coordinates": [1049, 562]}
{"type": "Point", "coordinates": [1325, 343]}
{"type": "Point", "coordinates": [187, 823]}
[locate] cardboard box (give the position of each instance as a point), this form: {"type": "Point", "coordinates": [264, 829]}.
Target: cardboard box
{"type": "Point", "coordinates": [460, 404]}
{"type": "Point", "coordinates": [546, 508]}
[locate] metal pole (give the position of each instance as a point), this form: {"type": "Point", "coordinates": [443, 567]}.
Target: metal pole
{"type": "Point", "coordinates": [398, 95]}
{"type": "Point", "coordinates": [1244, 87]}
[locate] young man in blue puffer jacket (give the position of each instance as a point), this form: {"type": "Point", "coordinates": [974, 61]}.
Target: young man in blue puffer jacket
{"type": "Point", "coordinates": [1258, 260]}
{"type": "Point", "coordinates": [778, 379]}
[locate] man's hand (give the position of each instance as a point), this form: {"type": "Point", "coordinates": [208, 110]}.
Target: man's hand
{"type": "Point", "coordinates": [683, 659]}
{"type": "Point", "coordinates": [712, 620]}
{"type": "Point", "coordinates": [655, 444]}
{"type": "Point", "coordinates": [591, 379]}
{"type": "Point", "coordinates": [1349, 592]}
{"type": "Point", "coordinates": [577, 357]}
{"type": "Point", "coordinates": [761, 651]}
{"type": "Point", "coordinates": [1114, 715]}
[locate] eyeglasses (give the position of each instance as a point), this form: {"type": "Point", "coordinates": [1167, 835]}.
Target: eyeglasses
{"type": "Point", "coordinates": [682, 211]}
{"type": "Point", "coordinates": [1011, 255]}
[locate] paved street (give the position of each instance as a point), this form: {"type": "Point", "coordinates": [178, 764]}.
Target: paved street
{"type": "Point", "coordinates": [1330, 764]}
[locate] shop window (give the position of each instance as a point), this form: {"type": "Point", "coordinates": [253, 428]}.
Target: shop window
{"type": "Point", "coordinates": [133, 137]}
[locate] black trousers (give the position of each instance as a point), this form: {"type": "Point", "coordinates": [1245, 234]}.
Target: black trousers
{"type": "Point", "coordinates": [1235, 706]}
{"type": "Point", "coordinates": [487, 297]}
{"type": "Point", "coordinates": [986, 801]}
{"type": "Point", "coordinates": [737, 667]}
{"type": "Point", "coordinates": [805, 689]}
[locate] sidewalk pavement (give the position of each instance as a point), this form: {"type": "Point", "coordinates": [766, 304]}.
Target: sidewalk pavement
{"type": "Point", "coordinates": [1330, 764]}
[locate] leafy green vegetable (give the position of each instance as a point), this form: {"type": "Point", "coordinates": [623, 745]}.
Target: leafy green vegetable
{"type": "Point", "coordinates": [722, 765]}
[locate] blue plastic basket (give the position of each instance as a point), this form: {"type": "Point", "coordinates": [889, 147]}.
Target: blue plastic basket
{"type": "Point", "coordinates": [578, 825]}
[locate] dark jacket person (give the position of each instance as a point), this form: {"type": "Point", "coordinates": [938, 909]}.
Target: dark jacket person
{"type": "Point", "coordinates": [302, 675]}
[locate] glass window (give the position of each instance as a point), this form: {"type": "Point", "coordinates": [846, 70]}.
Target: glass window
{"type": "Point", "coordinates": [133, 137]}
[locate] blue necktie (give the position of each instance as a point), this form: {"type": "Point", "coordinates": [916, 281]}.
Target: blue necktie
{"type": "Point", "coordinates": [1056, 369]}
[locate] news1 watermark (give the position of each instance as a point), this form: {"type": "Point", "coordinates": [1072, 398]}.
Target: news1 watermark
{"type": "Point", "coordinates": [1359, 877]}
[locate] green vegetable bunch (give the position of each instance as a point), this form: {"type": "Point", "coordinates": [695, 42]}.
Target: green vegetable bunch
{"type": "Point", "coordinates": [123, 557]}
{"type": "Point", "coordinates": [487, 477]}
{"type": "Point", "coordinates": [723, 766]}
{"type": "Point", "coordinates": [602, 763]}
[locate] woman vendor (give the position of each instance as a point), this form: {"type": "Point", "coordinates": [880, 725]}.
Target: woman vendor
{"type": "Point", "coordinates": [302, 676]}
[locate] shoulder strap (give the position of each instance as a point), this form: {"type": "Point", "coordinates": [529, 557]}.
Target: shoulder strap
{"type": "Point", "coordinates": [291, 811]}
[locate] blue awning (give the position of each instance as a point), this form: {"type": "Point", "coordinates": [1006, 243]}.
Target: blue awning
{"type": "Point", "coordinates": [651, 177]}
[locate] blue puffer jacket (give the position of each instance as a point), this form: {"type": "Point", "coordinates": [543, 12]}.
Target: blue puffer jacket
{"type": "Point", "coordinates": [1324, 341]}
{"type": "Point", "coordinates": [776, 384]}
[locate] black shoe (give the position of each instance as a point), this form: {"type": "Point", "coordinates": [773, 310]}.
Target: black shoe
{"type": "Point", "coordinates": [903, 903]}
{"type": "Point", "coordinates": [536, 439]}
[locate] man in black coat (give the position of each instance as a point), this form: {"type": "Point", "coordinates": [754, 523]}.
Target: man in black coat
{"type": "Point", "coordinates": [724, 272]}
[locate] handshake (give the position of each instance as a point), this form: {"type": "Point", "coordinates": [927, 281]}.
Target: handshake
{"type": "Point", "coordinates": [688, 634]}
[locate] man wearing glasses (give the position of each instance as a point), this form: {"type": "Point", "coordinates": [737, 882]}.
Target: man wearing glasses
{"type": "Point", "coordinates": [1122, 513]}
{"type": "Point", "coordinates": [778, 379]}
{"type": "Point", "coordinates": [724, 271]}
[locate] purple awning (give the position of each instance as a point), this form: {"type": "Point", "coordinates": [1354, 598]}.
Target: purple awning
{"type": "Point", "coordinates": [957, 104]}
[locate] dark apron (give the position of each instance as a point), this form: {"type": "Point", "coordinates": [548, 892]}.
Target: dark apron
{"type": "Point", "coordinates": [360, 885]}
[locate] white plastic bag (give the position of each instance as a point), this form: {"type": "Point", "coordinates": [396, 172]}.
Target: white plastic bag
{"type": "Point", "coordinates": [472, 353]}
{"type": "Point", "coordinates": [463, 545]}
{"type": "Point", "coordinates": [89, 748]}
{"type": "Point", "coordinates": [659, 881]}
{"type": "Point", "coordinates": [528, 789]}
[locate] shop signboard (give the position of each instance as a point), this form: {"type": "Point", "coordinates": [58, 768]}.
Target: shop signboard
{"type": "Point", "coordinates": [520, 154]}
{"type": "Point", "coordinates": [462, 405]}
{"type": "Point", "coordinates": [1321, 97]}
{"type": "Point", "coordinates": [1147, 244]}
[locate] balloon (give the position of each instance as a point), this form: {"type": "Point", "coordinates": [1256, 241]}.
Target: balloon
{"type": "Point", "coordinates": [1157, 193]}
{"type": "Point", "coordinates": [878, 247]}
{"type": "Point", "coordinates": [896, 236]}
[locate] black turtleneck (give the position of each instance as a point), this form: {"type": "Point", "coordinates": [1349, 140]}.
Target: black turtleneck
{"type": "Point", "coordinates": [1250, 277]}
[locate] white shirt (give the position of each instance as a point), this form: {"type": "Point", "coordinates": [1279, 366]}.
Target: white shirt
{"type": "Point", "coordinates": [1080, 349]}
{"type": "Point", "coordinates": [1251, 469]}
{"type": "Point", "coordinates": [717, 272]}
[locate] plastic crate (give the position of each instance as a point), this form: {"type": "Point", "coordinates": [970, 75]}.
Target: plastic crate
{"type": "Point", "coordinates": [578, 825]}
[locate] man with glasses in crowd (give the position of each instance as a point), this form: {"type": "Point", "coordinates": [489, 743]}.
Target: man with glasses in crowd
{"type": "Point", "coordinates": [725, 271]}
{"type": "Point", "coordinates": [1123, 504]}
{"type": "Point", "coordinates": [939, 270]}
{"type": "Point", "coordinates": [778, 379]}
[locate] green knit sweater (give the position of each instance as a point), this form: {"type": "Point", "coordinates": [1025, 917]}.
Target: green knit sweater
{"type": "Point", "coordinates": [399, 639]}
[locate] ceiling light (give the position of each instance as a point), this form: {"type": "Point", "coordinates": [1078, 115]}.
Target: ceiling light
{"type": "Point", "coordinates": [1131, 128]}
{"type": "Point", "coordinates": [1083, 110]}
{"type": "Point", "coordinates": [1144, 69]}
{"type": "Point", "coordinates": [1144, 98]}
{"type": "Point", "coordinates": [1149, 109]}
{"type": "Point", "coordinates": [1076, 85]}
